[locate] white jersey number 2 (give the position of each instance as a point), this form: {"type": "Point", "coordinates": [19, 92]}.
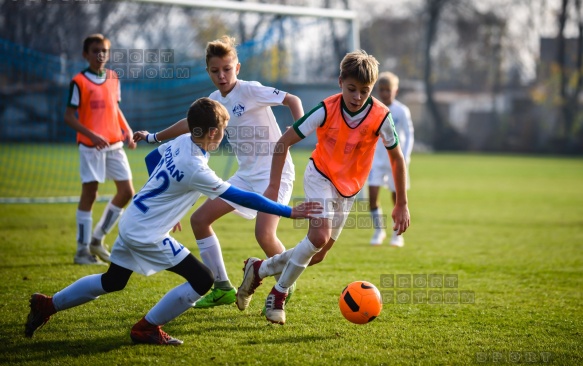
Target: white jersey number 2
{"type": "Point", "coordinates": [174, 250]}
{"type": "Point", "coordinates": [139, 199]}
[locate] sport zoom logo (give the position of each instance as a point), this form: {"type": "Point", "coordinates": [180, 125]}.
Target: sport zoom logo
{"type": "Point", "coordinates": [422, 288]}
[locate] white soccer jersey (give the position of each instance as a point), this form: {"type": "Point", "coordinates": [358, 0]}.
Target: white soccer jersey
{"type": "Point", "coordinates": [174, 186]}
{"type": "Point", "coordinates": [404, 128]}
{"type": "Point", "coordinates": [253, 130]}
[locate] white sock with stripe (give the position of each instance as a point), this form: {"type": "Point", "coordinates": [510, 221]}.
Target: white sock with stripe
{"type": "Point", "coordinates": [84, 224]}
{"type": "Point", "coordinates": [108, 220]}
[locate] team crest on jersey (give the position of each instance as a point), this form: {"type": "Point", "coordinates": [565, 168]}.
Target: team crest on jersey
{"type": "Point", "coordinates": [238, 109]}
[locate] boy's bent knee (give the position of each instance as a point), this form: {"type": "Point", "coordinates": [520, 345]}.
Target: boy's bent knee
{"type": "Point", "coordinates": [116, 278]}
{"type": "Point", "coordinates": [318, 257]}
{"type": "Point", "coordinates": [318, 239]}
{"type": "Point", "coordinates": [199, 276]}
{"type": "Point", "coordinates": [200, 225]}
{"type": "Point", "coordinates": [111, 283]}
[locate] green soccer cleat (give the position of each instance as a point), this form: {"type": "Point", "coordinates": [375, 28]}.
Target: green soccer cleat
{"type": "Point", "coordinates": [289, 294]}
{"type": "Point", "coordinates": [217, 297]}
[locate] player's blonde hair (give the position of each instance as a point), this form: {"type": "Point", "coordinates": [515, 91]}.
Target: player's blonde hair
{"type": "Point", "coordinates": [222, 47]}
{"type": "Point", "coordinates": [94, 38]}
{"type": "Point", "coordinates": [206, 114]}
{"type": "Point", "coordinates": [389, 79]}
{"type": "Point", "coordinates": [361, 66]}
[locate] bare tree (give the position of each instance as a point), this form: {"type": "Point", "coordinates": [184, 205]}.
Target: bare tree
{"type": "Point", "coordinates": [579, 62]}
{"type": "Point", "coordinates": [573, 106]}
{"type": "Point", "coordinates": [561, 61]}
{"type": "Point", "coordinates": [569, 92]}
{"type": "Point", "coordinates": [445, 137]}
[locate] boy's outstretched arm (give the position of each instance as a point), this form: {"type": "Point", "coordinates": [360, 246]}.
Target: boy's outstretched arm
{"type": "Point", "coordinates": [289, 138]}
{"type": "Point", "coordinates": [177, 129]}
{"type": "Point", "coordinates": [400, 213]}
{"type": "Point", "coordinates": [304, 210]}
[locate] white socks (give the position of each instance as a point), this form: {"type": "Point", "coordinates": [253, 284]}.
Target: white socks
{"type": "Point", "coordinates": [79, 292]}
{"type": "Point", "coordinates": [107, 221]}
{"type": "Point", "coordinates": [300, 258]}
{"type": "Point", "coordinates": [88, 288]}
{"type": "Point", "coordinates": [212, 257]}
{"type": "Point", "coordinates": [174, 303]}
{"type": "Point", "coordinates": [274, 266]}
{"type": "Point", "coordinates": [84, 224]}
{"type": "Point", "coordinates": [378, 219]}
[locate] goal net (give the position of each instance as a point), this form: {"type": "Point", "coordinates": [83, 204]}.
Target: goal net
{"type": "Point", "coordinates": [161, 73]}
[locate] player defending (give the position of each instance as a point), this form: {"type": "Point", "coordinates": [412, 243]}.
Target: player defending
{"type": "Point", "coordinates": [101, 129]}
{"type": "Point", "coordinates": [347, 126]}
{"type": "Point", "coordinates": [144, 244]}
{"type": "Point", "coordinates": [381, 174]}
{"type": "Point", "coordinates": [253, 124]}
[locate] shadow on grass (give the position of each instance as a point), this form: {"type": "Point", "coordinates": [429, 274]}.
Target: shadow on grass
{"type": "Point", "coordinates": [63, 265]}
{"type": "Point", "coordinates": [49, 351]}
{"type": "Point", "coordinates": [296, 339]}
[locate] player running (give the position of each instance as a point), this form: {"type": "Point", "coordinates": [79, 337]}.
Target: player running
{"type": "Point", "coordinates": [144, 244]}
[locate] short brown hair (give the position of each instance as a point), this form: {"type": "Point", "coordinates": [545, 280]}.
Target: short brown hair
{"type": "Point", "coordinates": [390, 79]}
{"type": "Point", "coordinates": [361, 66]}
{"type": "Point", "coordinates": [205, 114]}
{"type": "Point", "coordinates": [224, 46]}
{"type": "Point", "coordinates": [93, 38]}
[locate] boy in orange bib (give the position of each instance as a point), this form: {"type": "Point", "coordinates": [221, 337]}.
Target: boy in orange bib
{"type": "Point", "coordinates": [348, 126]}
{"type": "Point", "coordinates": [93, 112]}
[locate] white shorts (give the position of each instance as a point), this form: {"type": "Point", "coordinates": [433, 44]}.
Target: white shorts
{"type": "Point", "coordinates": [99, 165]}
{"type": "Point", "coordinates": [382, 176]}
{"type": "Point", "coordinates": [320, 189]}
{"type": "Point", "coordinates": [284, 195]}
{"type": "Point", "coordinates": [148, 258]}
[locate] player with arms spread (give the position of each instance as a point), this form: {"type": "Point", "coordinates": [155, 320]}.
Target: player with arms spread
{"type": "Point", "coordinates": [252, 133]}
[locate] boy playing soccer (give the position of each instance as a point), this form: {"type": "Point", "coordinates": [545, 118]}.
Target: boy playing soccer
{"type": "Point", "coordinates": [252, 124]}
{"type": "Point", "coordinates": [144, 244]}
{"type": "Point", "coordinates": [101, 129]}
{"type": "Point", "coordinates": [381, 174]}
{"type": "Point", "coordinates": [348, 126]}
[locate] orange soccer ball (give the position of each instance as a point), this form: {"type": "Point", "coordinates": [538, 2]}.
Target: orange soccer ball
{"type": "Point", "coordinates": [360, 302]}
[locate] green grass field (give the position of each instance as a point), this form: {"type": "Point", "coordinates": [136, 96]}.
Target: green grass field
{"type": "Point", "coordinates": [509, 228]}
